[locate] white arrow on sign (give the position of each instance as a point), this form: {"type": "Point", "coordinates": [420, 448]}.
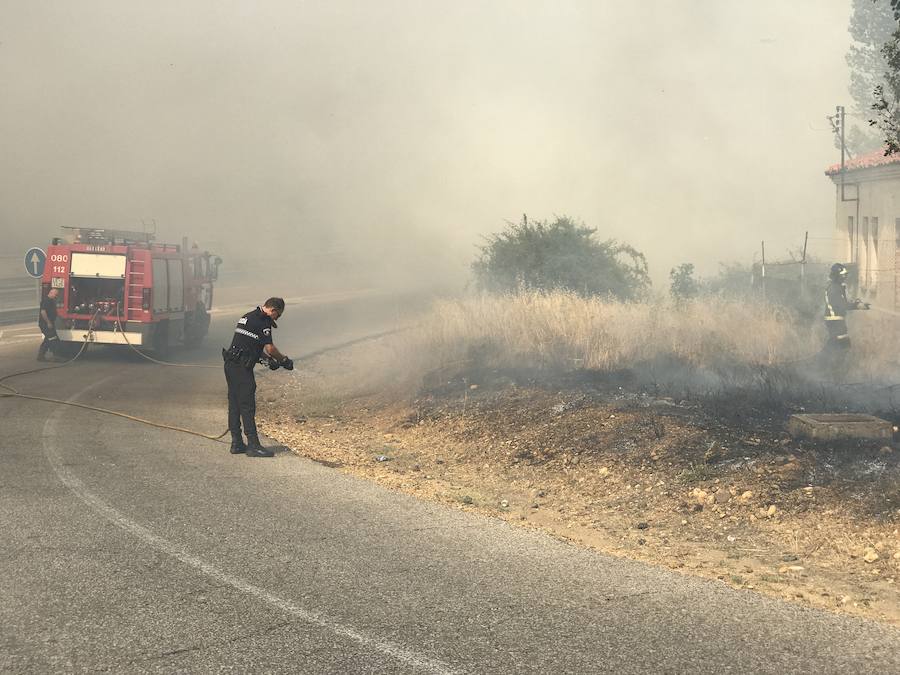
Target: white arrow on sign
{"type": "Point", "coordinates": [34, 262]}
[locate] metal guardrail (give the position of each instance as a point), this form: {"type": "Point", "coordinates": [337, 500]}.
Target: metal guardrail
{"type": "Point", "coordinates": [11, 316]}
{"type": "Point", "coordinates": [18, 284]}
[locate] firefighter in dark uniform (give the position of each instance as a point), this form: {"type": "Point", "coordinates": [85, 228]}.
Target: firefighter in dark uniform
{"type": "Point", "coordinates": [47, 324]}
{"type": "Point", "coordinates": [836, 307]}
{"type": "Point", "coordinates": [251, 344]}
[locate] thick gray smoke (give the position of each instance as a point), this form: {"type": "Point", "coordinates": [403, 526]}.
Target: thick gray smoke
{"type": "Point", "coordinates": [378, 140]}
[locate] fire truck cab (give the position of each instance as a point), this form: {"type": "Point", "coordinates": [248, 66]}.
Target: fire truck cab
{"type": "Point", "coordinates": [119, 287]}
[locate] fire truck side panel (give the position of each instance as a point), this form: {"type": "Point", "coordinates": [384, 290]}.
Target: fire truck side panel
{"type": "Point", "coordinates": [168, 299]}
{"type": "Point", "coordinates": [159, 278]}
{"type": "Point", "coordinates": [56, 272]}
{"type": "Point", "coordinates": [176, 284]}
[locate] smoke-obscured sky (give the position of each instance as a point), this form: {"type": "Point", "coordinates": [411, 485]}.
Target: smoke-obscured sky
{"type": "Point", "coordinates": [394, 134]}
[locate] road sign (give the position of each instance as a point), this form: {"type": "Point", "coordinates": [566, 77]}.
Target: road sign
{"type": "Point", "coordinates": [35, 259]}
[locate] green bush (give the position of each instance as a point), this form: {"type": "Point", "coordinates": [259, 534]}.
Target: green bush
{"type": "Point", "coordinates": [684, 286]}
{"type": "Point", "coordinates": [735, 279]}
{"type": "Point", "coordinates": [562, 255]}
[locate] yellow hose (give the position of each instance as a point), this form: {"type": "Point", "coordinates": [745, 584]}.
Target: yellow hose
{"type": "Point", "coordinates": [13, 393]}
{"type": "Point", "coordinates": [158, 425]}
{"type": "Point", "coordinates": [150, 358]}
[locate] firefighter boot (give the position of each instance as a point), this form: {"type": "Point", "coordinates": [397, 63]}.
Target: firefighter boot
{"type": "Point", "coordinates": [254, 449]}
{"type": "Point", "coordinates": [237, 444]}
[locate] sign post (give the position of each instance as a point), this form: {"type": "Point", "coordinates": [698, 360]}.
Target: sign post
{"type": "Point", "coordinates": [35, 259]}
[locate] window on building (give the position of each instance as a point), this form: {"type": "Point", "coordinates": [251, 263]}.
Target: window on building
{"type": "Point", "coordinates": [873, 258]}
{"type": "Point", "coordinates": [850, 235]}
{"type": "Point", "coordinates": [864, 254]}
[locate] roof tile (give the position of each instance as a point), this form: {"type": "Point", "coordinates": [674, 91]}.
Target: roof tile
{"type": "Point", "coordinates": [866, 161]}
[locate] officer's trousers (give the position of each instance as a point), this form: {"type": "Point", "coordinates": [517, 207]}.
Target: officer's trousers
{"type": "Point", "coordinates": [241, 398]}
{"type": "Point", "coordinates": [51, 340]}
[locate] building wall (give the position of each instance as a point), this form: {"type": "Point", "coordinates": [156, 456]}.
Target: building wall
{"type": "Point", "coordinates": [871, 243]}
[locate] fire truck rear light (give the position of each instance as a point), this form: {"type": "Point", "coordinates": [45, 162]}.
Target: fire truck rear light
{"type": "Point", "coordinates": [145, 304]}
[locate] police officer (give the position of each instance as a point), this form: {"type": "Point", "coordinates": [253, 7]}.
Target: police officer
{"type": "Point", "coordinates": [47, 324]}
{"type": "Point", "coordinates": [252, 342]}
{"type": "Point", "coordinates": [836, 307]}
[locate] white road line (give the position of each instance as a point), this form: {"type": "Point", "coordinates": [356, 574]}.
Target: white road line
{"type": "Point", "coordinates": [49, 441]}
{"type": "Point", "coordinates": [19, 330]}
{"type": "Point", "coordinates": [20, 340]}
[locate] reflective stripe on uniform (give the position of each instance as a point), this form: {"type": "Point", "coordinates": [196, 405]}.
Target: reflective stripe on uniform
{"type": "Point", "coordinates": [242, 331]}
{"type": "Point", "coordinates": [834, 318]}
{"type": "Point", "coordinates": [845, 336]}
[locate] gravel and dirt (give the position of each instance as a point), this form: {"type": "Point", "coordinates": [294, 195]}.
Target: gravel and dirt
{"type": "Point", "coordinates": [706, 485]}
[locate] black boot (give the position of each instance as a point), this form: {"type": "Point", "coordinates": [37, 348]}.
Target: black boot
{"type": "Point", "coordinates": [237, 444]}
{"type": "Point", "coordinates": [254, 449]}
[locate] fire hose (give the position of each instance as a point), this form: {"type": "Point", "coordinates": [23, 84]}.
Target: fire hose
{"type": "Point", "coordinates": [11, 392]}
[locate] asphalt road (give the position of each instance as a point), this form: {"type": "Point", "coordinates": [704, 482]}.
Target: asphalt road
{"type": "Point", "coordinates": [133, 549]}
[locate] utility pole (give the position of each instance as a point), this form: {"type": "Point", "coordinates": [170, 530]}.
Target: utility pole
{"type": "Point", "coordinates": [840, 117]}
{"type": "Point", "coordinates": [838, 126]}
{"type": "Point", "coordinates": [763, 271]}
{"type": "Point", "coordinates": [803, 266]}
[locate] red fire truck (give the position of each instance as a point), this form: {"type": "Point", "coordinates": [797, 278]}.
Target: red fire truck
{"type": "Point", "coordinates": [118, 287]}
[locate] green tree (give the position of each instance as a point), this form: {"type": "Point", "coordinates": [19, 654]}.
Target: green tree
{"type": "Point", "coordinates": [871, 25]}
{"type": "Point", "coordinates": [683, 286]}
{"type": "Point", "coordinates": [562, 255]}
{"type": "Point", "coordinates": [895, 6]}
{"type": "Point", "coordinates": [887, 97]}
{"type": "Point", "coordinates": [733, 280]}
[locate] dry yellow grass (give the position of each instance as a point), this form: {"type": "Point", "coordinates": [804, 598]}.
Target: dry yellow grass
{"type": "Point", "coordinates": [705, 345]}
{"type": "Point", "coordinates": [564, 331]}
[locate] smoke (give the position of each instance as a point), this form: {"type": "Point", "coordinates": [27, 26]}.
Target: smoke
{"type": "Point", "coordinates": [352, 142]}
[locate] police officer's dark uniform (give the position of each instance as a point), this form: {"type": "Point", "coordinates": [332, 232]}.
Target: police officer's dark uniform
{"type": "Point", "coordinates": [252, 334]}
{"type": "Point", "coordinates": [48, 327]}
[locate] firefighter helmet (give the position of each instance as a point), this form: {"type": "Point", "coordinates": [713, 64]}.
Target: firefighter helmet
{"type": "Point", "coordinates": [838, 272]}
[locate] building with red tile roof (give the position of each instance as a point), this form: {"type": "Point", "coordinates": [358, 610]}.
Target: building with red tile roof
{"type": "Point", "coordinates": [866, 161]}
{"type": "Point", "coordinates": [867, 226]}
